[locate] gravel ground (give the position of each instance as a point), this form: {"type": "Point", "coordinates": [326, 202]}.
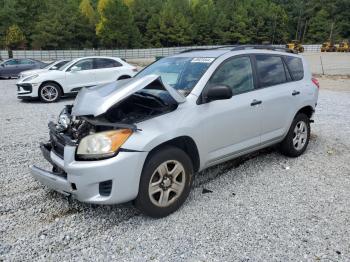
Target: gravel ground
{"type": "Point", "coordinates": [264, 207]}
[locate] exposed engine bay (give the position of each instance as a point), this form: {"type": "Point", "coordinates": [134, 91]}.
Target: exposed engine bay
{"type": "Point", "coordinates": [138, 107]}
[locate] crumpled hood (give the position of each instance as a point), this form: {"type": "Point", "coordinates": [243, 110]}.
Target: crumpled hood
{"type": "Point", "coordinates": [97, 100]}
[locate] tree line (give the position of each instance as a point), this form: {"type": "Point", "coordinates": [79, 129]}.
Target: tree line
{"type": "Point", "coordinates": [63, 24]}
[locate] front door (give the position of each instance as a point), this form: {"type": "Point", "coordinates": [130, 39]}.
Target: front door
{"type": "Point", "coordinates": [10, 68]}
{"type": "Point", "coordinates": [79, 75]}
{"type": "Point", "coordinates": [231, 126]}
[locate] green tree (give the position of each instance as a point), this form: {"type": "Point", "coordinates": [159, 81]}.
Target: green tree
{"type": "Point", "coordinates": [14, 38]}
{"type": "Point", "coordinates": [116, 28]}
{"type": "Point", "coordinates": [174, 27]}
{"type": "Point", "coordinates": [152, 35]}
{"type": "Point", "coordinates": [204, 14]}
{"type": "Point", "coordinates": [62, 26]}
{"type": "Point", "coordinates": [88, 11]}
{"type": "Point", "coordinates": [319, 28]}
{"type": "Point", "coordinates": [143, 11]}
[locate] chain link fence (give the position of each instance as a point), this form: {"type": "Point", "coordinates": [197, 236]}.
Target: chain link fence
{"type": "Point", "coordinates": [48, 55]}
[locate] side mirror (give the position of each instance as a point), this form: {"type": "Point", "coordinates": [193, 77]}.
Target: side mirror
{"type": "Point", "coordinates": [54, 68]}
{"type": "Point", "coordinates": [75, 69]}
{"type": "Point", "coordinates": [219, 92]}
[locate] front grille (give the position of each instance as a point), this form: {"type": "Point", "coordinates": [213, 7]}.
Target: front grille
{"type": "Point", "coordinates": [105, 188]}
{"type": "Point", "coordinates": [57, 145]}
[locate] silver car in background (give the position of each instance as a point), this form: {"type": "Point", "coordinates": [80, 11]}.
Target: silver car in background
{"type": "Point", "coordinates": [143, 139]}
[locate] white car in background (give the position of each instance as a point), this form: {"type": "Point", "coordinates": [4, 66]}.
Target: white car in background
{"type": "Point", "coordinates": [52, 66]}
{"type": "Point", "coordinates": [87, 72]}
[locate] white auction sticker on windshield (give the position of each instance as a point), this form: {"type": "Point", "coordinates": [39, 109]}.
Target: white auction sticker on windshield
{"type": "Point", "coordinates": [202, 60]}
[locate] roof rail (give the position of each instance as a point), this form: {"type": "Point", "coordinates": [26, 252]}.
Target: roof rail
{"type": "Point", "coordinates": [198, 49]}
{"type": "Point", "coordinates": [243, 47]}
{"type": "Point", "coordinates": [266, 47]}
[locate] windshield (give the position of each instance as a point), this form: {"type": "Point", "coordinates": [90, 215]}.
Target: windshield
{"type": "Point", "coordinates": [49, 65]}
{"type": "Point", "coordinates": [181, 73]}
{"type": "Point", "coordinates": [66, 65]}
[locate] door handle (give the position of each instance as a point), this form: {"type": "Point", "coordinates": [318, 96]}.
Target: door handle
{"type": "Point", "coordinates": [255, 102]}
{"type": "Point", "coordinates": [295, 92]}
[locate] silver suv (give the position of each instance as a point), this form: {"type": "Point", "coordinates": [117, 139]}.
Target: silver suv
{"type": "Point", "coordinates": [142, 139]}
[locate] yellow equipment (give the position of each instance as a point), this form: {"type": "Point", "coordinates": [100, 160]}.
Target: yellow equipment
{"type": "Point", "coordinates": [328, 47]}
{"type": "Point", "coordinates": [344, 46]}
{"type": "Point", "coordinates": [295, 46]}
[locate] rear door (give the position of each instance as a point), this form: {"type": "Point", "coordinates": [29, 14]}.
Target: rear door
{"type": "Point", "coordinates": [277, 97]}
{"type": "Point", "coordinates": [231, 126]}
{"type": "Point", "coordinates": [106, 70]}
{"type": "Point", "coordinates": [83, 77]}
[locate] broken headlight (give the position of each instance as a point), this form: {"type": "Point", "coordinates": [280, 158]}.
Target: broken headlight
{"type": "Point", "coordinates": [64, 119]}
{"type": "Point", "coordinates": [102, 145]}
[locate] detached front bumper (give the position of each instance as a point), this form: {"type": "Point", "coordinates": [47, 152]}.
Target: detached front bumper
{"type": "Point", "coordinates": [110, 181]}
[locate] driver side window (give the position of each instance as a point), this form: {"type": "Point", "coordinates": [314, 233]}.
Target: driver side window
{"type": "Point", "coordinates": [235, 73]}
{"type": "Point", "coordinates": [86, 64]}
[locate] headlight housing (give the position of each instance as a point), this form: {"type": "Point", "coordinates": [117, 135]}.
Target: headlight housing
{"type": "Point", "coordinates": [64, 118]}
{"type": "Point", "coordinates": [30, 78]}
{"type": "Point", "coordinates": [102, 145]}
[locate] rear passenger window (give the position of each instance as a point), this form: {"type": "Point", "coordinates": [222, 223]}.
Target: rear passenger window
{"type": "Point", "coordinates": [106, 63]}
{"type": "Point", "coordinates": [295, 66]}
{"type": "Point", "coordinates": [270, 70]}
{"type": "Point", "coordinates": [236, 73]}
{"type": "Point", "coordinates": [26, 62]}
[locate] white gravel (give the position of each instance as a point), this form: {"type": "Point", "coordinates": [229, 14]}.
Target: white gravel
{"type": "Point", "coordinates": [264, 208]}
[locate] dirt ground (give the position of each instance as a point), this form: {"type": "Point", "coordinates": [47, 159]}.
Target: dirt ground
{"type": "Point", "coordinates": [334, 82]}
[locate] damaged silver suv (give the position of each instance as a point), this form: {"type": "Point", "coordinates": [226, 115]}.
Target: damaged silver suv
{"type": "Point", "coordinates": [142, 139]}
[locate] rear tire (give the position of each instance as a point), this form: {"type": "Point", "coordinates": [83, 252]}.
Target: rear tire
{"type": "Point", "coordinates": [50, 92]}
{"type": "Point", "coordinates": [297, 138]}
{"type": "Point", "coordinates": [165, 182]}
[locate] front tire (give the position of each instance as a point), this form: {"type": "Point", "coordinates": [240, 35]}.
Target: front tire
{"type": "Point", "coordinates": [50, 92]}
{"type": "Point", "coordinates": [297, 138]}
{"type": "Point", "coordinates": [165, 182]}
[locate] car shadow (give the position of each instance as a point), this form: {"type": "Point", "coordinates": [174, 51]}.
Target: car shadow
{"type": "Point", "coordinates": [38, 101]}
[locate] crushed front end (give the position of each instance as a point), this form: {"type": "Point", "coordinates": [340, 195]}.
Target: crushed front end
{"type": "Point", "coordinates": [108, 180]}
{"type": "Point", "coordinates": [86, 144]}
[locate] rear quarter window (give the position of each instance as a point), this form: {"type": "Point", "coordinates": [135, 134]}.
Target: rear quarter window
{"type": "Point", "coordinates": [295, 66]}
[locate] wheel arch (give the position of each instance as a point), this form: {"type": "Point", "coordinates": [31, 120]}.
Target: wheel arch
{"type": "Point", "coordinates": [307, 110]}
{"type": "Point", "coordinates": [185, 143]}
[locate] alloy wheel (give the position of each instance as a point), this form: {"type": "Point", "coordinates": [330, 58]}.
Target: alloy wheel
{"type": "Point", "coordinates": [300, 135]}
{"type": "Point", "coordinates": [167, 183]}
{"type": "Point", "coordinates": [49, 93]}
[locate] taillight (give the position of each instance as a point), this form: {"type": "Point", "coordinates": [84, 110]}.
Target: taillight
{"type": "Point", "coordinates": [315, 81]}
